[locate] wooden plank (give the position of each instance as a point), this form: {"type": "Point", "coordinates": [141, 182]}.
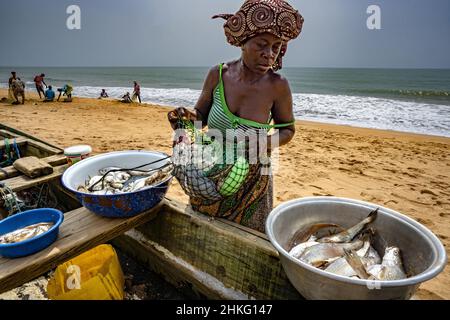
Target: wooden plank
{"type": "Point", "coordinates": [7, 134]}
{"type": "Point", "coordinates": [8, 172]}
{"type": "Point", "coordinates": [242, 261]}
{"type": "Point", "coordinates": [176, 271]}
{"type": "Point", "coordinates": [80, 231]}
{"type": "Point", "coordinates": [55, 160]}
{"type": "Point", "coordinates": [23, 182]}
{"type": "Point", "coordinates": [41, 150]}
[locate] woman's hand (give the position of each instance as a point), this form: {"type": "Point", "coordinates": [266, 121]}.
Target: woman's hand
{"type": "Point", "coordinates": [181, 113]}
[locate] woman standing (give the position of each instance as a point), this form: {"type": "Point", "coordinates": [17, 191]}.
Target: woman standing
{"type": "Point", "coordinates": [246, 96]}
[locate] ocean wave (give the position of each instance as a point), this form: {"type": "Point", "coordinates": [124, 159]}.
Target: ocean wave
{"type": "Point", "coordinates": [378, 113]}
{"type": "Point", "coordinates": [404, 92]}
{"type": "Point", "coordinates": [358, 111]}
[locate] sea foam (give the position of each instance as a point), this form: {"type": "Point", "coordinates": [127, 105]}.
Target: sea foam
{"type": "Point", "coordinates": [368, 112]}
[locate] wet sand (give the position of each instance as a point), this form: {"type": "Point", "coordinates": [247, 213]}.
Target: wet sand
{"type": "Point", "coordinates": [406, 172]}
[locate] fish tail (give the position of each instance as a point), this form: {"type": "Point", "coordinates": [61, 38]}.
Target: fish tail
{"type": "Point", "coordinates": [355, 262]}
{"type": "Point", "coordinates": [372, 216]}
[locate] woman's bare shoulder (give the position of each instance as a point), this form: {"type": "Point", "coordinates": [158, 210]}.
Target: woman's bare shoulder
{"type": "Point", "coordinates": [212, 78]}
{"type": "Point", "coordinates": [230, 65]}
{"type": "Point", "coordinates": [214, 71]}
{"type": "Point", "coordinates": [279, 82]}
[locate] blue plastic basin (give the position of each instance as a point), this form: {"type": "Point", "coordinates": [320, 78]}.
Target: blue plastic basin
{"type": "Point", "coordinates": [24, 219]}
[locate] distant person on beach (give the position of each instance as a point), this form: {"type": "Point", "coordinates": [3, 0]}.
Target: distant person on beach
{"type": "Point", "coordinates": [49, 95]}
{"type": "Point", "coordinates": [10, 81]}
{"type": "Point", "coordinates": [256, 96]}
{"type": "Point", "coordinates": [39, 82]}
{"type": "Point", "coordinates": [103, 94]}
{"type": "Point", "coordinates": [67, 91]}
{"type": "Point", "coordinates": [18, 89]}
{"type": "Point", "coordinates": [136, 92]}
{"type": "Point", "coordinates": [126, 98]}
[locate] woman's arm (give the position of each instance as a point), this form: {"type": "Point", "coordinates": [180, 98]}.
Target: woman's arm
{"type": "Point", "coordinates": [204, 102]}
{"type": "Point", "coordinates": [282, 112]}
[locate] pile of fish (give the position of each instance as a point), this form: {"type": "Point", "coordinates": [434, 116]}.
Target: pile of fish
{"type": "Point", "coordinates": [123, 181]}
{"type": "Point", "coordinates": [350, 253]}
{"type": "Point", "coordinates": [26, 233]}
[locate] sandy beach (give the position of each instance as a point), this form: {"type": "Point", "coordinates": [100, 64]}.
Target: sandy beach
{"type": "Point", "coordinates": [406, 172]}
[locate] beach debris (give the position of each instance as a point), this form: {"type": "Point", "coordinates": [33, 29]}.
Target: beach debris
{"type": "Point", "coordinates": [26, 233]}
{"type": "Point", "coordinates": [349, 253]}
{"type": "Point", "coordinates": [113, 180]}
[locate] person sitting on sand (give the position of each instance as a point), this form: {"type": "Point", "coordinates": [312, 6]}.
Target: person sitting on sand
{"type": "Point", "coordinates": [103, 94]}
{"type": "Point", "coordinates": [255, 95]}
{"type": "Point", "coordinates": [67, 91]}
{"type": "Point", "coordinates": [136, 92]}
{"type": "Point", "coordinates": [39, 82]}
{"type": "Point", "coordinates": [18, 89]}
{"type": "Point", "coordinates": [49, 94]}
{"type": "Point", "coordinates": [126, 98]}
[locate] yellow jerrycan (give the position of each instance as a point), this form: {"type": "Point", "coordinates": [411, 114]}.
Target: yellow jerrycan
{"type": "Point", "coordinates": [94, 275]}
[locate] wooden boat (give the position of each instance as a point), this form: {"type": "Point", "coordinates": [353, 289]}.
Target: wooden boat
{"type": "Point", "coordinates": [29, 146]}
{"type": "Point", "coordinates": [212, 258]}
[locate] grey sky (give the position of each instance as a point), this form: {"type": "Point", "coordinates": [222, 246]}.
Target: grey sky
{"type": "Point", "coordinates": [414, 34]}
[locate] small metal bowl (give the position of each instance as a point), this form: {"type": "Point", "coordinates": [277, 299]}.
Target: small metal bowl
{"type": "Point", "coordinates": [423, 254]}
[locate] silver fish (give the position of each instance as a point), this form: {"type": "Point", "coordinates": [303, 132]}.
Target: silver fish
{"type": "Point", "coordinates": [349, 234]}
{"type": "Point", "coordinates": [99, 186]}
{"type": "Point", "coordinates": [155, 178]}
{"type": "Point", "coordinates": [367, 255]}
{"type": "Point", "coordinates": [26, 232]}
{"type": "Point", "coordinates": [137, 173]}
{"type": "Point", "coordinates": [121, 177]}
{"type": "Point", "coordinates": [136, 185]}
{"type": "Point", "coordinates": [116, 185]}
{"type": "Point", "coordinates": [297, 251]}
{"type": "Point", "coordinates": [321, 253]}
{"type": "Point", "coordinates": [391, 267]}
{"type": "Point", "coordinates": [356, 264]}
{"type": "Point", "coordinates": [117, 177]}
{"type": "Point", "coordinates": [341, 267]}
{"type": "Point", "coordinates": [119, 181]}
{"type": "Point", "coordinates": [371, 257]}
{"type": "Point", "coordinates": [109, 179]}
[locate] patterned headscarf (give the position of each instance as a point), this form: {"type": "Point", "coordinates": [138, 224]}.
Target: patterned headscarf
{"type": "Point", "coordinates": [258, 16]}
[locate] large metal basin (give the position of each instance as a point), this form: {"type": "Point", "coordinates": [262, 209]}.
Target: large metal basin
{"type": "Point", "coordinates": [424, 256]}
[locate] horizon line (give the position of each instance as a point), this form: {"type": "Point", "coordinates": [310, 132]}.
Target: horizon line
{"type": "Point", "coordinates": [172, 66]}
